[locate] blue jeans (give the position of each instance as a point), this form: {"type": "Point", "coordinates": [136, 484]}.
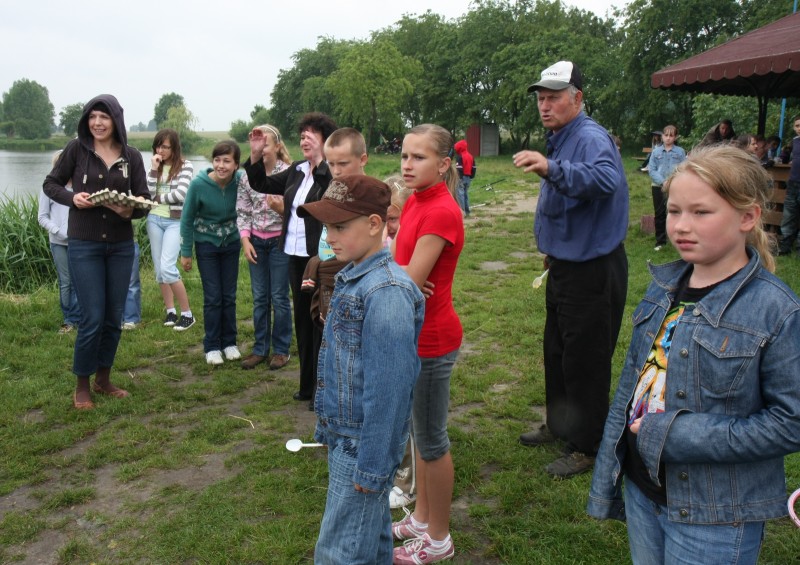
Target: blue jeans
{"type": "Point", "coordinates": [133, 302]}
{"type": "Point", "coordinates": [219, 273]}
{"type": "Point", "coordinates": [462, 193]}
{"type": "Point", "coordinates": [654, 539]}
{"type": "Point", "coordinates": [66, 291]}
{"type": "Point", "coordinates": [357, 526]}
{"type": "Point", "coordinates": [165, 245]}
{"type": "Point", "coordinates": [100, 273]}
{"type": "Point", "coordinates": [269, 281]}
{"type": "Point", "coordinates": [431, 403]}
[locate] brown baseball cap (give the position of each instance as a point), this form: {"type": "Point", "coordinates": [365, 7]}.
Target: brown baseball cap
{"type": "Point", "coordinates": [349, 197]}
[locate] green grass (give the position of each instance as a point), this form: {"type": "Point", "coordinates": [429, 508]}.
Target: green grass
{"type": "Point", "coordinates": [192, 469]}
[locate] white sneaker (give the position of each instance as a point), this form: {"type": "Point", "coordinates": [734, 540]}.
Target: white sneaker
{"type": "Point", "coordinates": [418, 551]}
{"type": "Point", "coordinates": [129, 326]}
{"type": "Point", "coordinates": [657, 248]}
{"type": "Point", "coordinates": [232, 353]}
{"type": "Point", "coordinates": [214, 357]}
{"type": "Point", "coordinates": [400, 499]}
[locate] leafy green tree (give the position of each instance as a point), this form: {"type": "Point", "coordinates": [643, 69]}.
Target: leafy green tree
{"type": "Point", "coordinates": [431, 40]}
{"type": "Point", "coordinates": [182, 121]}
{"type": "Point", "coordinates": [27, 105]}
{"type": "Point", "coordinates": [302, 88]}
{"type": "Point", "coordinates": [69, 117]}
{"type": "Point", "coordinates": [662, 32]}
{"type": "Point", "coordinates": [372, 85]}
{"type": "Point", "coordinates": [161, 109]}
{"type": "Point", "coordinates": [758, 13]}
{"type": "Point", "coordinates": [239, 130]}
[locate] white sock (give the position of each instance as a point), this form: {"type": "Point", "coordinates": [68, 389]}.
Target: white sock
{"type": "Point", "coordinates": [419, 525]}
{"type": "Point", "coordinates": [171, 311]}
{"type": "Point", "coordinates": [439, 544]}
{"type": "Point", "coordinates": [188, 313]}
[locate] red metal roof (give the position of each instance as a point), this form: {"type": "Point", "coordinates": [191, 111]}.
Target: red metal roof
{"type": "Point", "coordinates": [764, 62]}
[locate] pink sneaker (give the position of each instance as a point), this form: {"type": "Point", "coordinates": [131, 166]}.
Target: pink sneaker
{"type": "Point", "coordinates": [405, 528]}
{"type": "Point", "coordinates": [420, 550]}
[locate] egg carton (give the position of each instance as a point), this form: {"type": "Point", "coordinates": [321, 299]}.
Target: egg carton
{"type": "Point", "coordinates": [114, 197]}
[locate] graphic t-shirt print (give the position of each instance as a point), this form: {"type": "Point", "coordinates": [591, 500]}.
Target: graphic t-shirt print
{"type": "Point", "coordinates": [649, 394]}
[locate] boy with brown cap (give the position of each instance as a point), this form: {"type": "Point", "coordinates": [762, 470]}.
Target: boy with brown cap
{"type": "Point", "coordinates": [368, 366]}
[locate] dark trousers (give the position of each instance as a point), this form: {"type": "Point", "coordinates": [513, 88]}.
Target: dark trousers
{"type": "Point", "coordinates": [219, 274]}
{"type": "Point", "coordinates": [304, 329]}
{"type": "Point", "coordinates": [790, 224]}
{"type": "Point", "coordinates": [585, 303]}
{"type": "Point", "coordinates": [660, 212]}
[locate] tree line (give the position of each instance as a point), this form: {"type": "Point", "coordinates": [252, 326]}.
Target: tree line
{"type": "Point", "coordinates": [26, 112]}
{"type": "Point", "coordinates": [476, 68]}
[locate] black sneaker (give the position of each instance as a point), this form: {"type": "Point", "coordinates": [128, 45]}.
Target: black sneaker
{"type": "Point", "coordinates": [171, 319]}
{"type": "Point", "coordinates": [184, 323]}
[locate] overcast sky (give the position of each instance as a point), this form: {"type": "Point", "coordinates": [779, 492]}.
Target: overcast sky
{"type": "Point", "coordinates": [222, 57]}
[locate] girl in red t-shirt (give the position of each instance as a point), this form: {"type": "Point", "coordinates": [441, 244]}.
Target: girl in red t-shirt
{"type": "Point", "coordinates": [427, 245]}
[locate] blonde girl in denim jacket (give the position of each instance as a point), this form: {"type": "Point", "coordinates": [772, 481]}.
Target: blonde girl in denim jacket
{"type": "Point", "coordinates": [708, 401]}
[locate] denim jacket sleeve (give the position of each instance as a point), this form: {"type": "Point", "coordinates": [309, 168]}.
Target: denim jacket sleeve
{"type": "Point", "coordinates": [768, 429]}
{"type": "Point", "coordinates": [391, 366]}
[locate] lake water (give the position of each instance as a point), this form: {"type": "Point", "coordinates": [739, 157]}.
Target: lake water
{"type": "Point", "coordinates": [22, 173]}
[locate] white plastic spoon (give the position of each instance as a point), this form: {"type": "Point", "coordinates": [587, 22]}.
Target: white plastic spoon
{"type": "Point", "coordinates": [297, 445]}
{"type": "Point", "coordinates": [537, 282]}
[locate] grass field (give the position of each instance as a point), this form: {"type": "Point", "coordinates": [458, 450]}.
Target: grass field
{"type": "Point", "coordinates": [192, 467]}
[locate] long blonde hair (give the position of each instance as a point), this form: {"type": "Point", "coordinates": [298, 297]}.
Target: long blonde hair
{"type": "Point", "coordinates": [400, 192]}
{"type": "Point", "coordinates": [283, 153]}
{"type": "Point", "coordinates": [740, 180]}
{"type": "Point", "coordinates": [442, 143]}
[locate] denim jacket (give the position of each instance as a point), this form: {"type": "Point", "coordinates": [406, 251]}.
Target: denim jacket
{"type": "Point", "coordinates": [368, 365]}
{"type": "Point", "coordinates": [663, 162]}
{"type": "Point", "coordinates": [732, 401]}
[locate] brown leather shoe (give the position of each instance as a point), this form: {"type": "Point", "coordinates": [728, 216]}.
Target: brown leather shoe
{"type": "Point", "coordinates": [278, 362]}
{"type": "Point", "coordinates": [251, 361]}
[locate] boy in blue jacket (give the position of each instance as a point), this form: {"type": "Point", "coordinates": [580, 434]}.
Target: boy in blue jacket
{"type": "Point", "coordinates": [368, 366]}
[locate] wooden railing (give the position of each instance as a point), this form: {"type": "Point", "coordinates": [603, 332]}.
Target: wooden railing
{"type": "Point", "coordinates": [772, 218]}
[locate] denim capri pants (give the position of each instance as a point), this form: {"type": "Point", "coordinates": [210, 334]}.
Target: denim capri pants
{"type": "Point", "coordinates": [431, 404]}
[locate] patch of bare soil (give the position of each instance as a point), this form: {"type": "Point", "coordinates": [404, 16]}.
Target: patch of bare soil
{"type": "Point", "coordinates": [506, 204]}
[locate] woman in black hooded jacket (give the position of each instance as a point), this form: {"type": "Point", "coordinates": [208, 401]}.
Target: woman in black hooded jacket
{"type": "Point", "coordinates": [100, 237]}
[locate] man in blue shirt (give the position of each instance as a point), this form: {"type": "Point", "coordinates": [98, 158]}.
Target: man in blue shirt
{"type": "Point", "coordinates": [581, 222]}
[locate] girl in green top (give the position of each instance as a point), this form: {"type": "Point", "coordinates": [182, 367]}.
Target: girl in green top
{"type": "Point", "coordinates": [209, 223]}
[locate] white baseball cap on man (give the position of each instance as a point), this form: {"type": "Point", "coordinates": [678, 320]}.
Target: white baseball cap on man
{"type": "Point", "coordinates": [559, 76]}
